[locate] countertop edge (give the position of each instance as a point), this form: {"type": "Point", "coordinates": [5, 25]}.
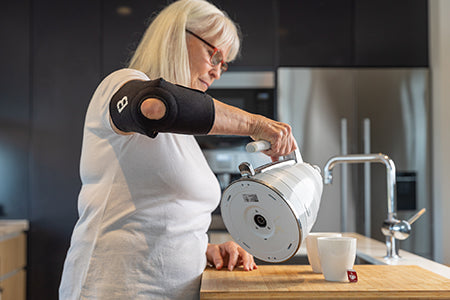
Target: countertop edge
{"type": "Point", "coordinates": [323, 295]}
{"type": "Point", "coordinates": [11, 228]}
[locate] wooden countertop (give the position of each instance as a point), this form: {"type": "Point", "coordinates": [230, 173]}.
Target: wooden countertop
{"type": "Point", "coordinates": [295, 281]}
{"type": "Point", "coordinates": [11, 228]}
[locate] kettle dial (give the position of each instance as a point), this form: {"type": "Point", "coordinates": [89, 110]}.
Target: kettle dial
{"type": "Point", "coordinates": [260, 221]}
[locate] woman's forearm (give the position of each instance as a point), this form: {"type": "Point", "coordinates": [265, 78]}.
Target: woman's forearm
{"type": "Point", "coordinates": [230, 120]}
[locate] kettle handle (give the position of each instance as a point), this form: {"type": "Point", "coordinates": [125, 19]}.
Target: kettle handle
{"type": "Point", "coordinates": [262, 145]}
{"type": "Point", "coordinates": [257, 146]}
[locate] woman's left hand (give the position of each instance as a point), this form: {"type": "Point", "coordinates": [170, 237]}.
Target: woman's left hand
{"type": "Point", "coordinates": [230, 254]}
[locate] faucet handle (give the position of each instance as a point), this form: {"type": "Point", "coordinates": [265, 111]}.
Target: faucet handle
{"type": "Point", "coordinates": [400, 229]}
{"type": "Point", "coordinates": [416, 216]}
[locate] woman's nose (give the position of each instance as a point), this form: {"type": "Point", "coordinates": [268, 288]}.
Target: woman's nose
{"type": "Point", "coordinates": [216, 71]}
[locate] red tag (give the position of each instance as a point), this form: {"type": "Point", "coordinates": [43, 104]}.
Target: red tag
{"type": "Point", "coordinates": [352, 276]}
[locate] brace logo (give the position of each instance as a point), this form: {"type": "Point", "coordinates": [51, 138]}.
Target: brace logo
{"type": "Point", "coordinates": [122, 104]}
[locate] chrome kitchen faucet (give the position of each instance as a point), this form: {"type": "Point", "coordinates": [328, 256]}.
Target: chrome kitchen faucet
{"type": "Point", "coordinates": [392, 228]}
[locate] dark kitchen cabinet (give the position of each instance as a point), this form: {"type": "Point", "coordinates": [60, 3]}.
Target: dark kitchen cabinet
{"type": "Point", "coordinates": [391, 33]}
{"type": "Point", "coordinates": [14, 108]}
{"type": "Point", "coordinates": [353, 33]}
{"type": "Point", "coordinates": [123, 24]}
{"type": "Point", "coordinates": [315, 33]}
{"type": "Point", "coordinates": [257, 21]}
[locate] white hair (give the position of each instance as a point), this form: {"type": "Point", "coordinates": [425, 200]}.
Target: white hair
{"type": "Point", "coordinates": [162, 51]}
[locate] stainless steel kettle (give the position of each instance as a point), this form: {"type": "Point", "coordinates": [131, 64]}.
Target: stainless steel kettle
{"type": "Point", "coordinates": [271, 209]}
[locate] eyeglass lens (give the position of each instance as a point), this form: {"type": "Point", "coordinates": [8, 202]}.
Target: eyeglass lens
{"type": "Point", "coordinates": [217, 58]}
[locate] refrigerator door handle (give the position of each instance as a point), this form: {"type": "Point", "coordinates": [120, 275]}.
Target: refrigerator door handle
{"type": "Point", "coordinates": [344, 176]}
{"type": "Point", "coordinates": [367, 187]}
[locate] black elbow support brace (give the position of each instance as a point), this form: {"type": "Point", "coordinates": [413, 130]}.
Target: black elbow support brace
{"type": "Point", "coordinates": [188, 111]}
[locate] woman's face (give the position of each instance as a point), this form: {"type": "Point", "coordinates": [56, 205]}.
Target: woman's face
{"type": "Point", "coordinates": [203, 73]}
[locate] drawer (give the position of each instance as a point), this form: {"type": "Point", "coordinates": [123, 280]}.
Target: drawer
{"type": "Point", "coordinates": [12, 254]}
{"type": "Point", "coordinates": [14, 287]}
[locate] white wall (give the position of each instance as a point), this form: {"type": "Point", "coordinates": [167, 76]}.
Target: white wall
{"type": "Point", "coordinates": [439, 20]}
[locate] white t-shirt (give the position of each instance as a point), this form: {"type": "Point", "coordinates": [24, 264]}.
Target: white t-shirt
{"type": "Point", "coordinates": [144, 208]}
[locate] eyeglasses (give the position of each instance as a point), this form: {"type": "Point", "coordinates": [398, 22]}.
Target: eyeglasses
{"type": "Point", "coordinates": [216, 57]}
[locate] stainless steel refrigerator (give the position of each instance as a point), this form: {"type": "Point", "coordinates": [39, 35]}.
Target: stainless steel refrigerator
{"type": "Point", "coordinates": [336, 111]}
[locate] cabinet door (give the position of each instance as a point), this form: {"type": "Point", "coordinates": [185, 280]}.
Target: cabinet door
{"type": "Point", "coordinates": [12, 263]}
{"type": "Point", "coordinates": [315, 33]}
{"type": "Point", "coordinates": [124, 23]}
{"type": "Point", "coordinates": [13, 254]}
{"type": "Point", "coordinates": [391, 33]}
{"type": "Point", "coordinates": [256, 19]}
{"type": "Point", "coordinates": [14, 287]}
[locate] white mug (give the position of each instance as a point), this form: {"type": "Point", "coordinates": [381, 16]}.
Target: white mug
{"type": "Point", "coordinates": [337, 255]}
{"type": "Point", "coordinates": [312, 250]}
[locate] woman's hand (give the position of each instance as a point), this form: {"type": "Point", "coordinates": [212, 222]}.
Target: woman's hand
{"type": "Point", "coordinates": [282, 141]}
{"type": "Point", "coordinates": [231, 255]}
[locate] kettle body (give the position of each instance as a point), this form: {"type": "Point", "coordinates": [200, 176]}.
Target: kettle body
{"type": "Point", "coordinates": [270, 210]}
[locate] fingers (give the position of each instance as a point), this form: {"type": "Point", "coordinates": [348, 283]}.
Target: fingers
{"type": "Point", "coordinates": [233, 256]}
{"type": "Point", "coordinates": [278, 134]}
{"type": "Point", "coordinates": [214, 256]}
{"type": "Point", "coordinates": [237, 256]}
{"type": "Point", "coordinates": [246, 260]}
{"type": "Point", "coordinates": [283, 141]}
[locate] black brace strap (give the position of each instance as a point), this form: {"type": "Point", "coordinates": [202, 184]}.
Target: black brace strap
{"type": "Point", "coordinates": [188, 111]}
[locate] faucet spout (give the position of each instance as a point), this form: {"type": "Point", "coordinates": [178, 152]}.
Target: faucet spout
{"type": "Point", "coordinates": [362, 158]}
{"type": "Point", "coordinates": [391, 226]}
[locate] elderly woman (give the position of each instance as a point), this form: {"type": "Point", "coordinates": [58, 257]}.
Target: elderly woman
{"type": "Point", "coordinates": [147, 191]}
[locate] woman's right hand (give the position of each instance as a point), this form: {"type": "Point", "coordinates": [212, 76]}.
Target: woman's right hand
{"type": "Point", "coordinates": [278, 134]}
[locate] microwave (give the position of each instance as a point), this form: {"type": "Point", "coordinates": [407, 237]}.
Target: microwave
{"type": "Point", "coordinates": [253, 92]}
